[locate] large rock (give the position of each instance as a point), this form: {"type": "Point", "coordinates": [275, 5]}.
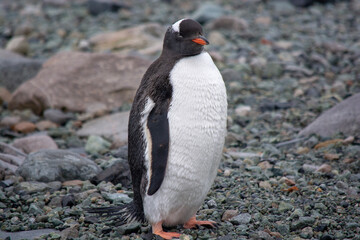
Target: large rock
{"type": "Point", "coordinates": [118, 172]}
{"type": "Point", "coordinates": [342, 118]}
{"type": "Point", "coordinates": [146, 38]}
{"type": "Point", "coordinates": [74, 80]}
{"type": "Point", "coordinates": [15, 69]}
{"type": "Point", "coordinates": [114, 127]}
{"type": "Point", "coordinates": [35, 143]}
{"type": "Point", "coordinates": [31, 234]}
{"type": "Point", "coordinates": [57, 165]}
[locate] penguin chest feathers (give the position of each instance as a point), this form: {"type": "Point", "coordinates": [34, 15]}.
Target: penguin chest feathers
{"type": "Point", "coordinates": [197, 114]}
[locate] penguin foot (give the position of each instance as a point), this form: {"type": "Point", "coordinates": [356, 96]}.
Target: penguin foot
{"type": "Point", "coordinates": [158, 230]}
{"type": "Point", "coordinates": [193, 223]}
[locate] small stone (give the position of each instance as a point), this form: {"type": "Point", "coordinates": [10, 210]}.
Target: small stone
{"type": "Point", "coordinates": [302, 150]}
{"type": "Point", "coordinates": [96, 144]}
{"type": "Point", "coordinates": [310, 168]}
{"type": "Point", "coordinates": [35, 210]}
{"type": "Point", "coordinates": [54, 203]}
{"type": "Point", "coordinates": [235, 24]}
{"type": "Point", "coordinates": [57, 116]}
{"type": "Point", "coordinates": [349, 140]}
{"type": "Point", "coordinates": [331, 156]}
{"type": "Point", "coordinates": [211, 203]}
{"type": "Point", "coordinates": [265, 165]}
{"type": "Point", "coordinates": [24, 127]}
{"type": "Point", "coordinates": [265, 185]}
{"type": "Point", "coordinates": [227, 172]}
{"type": "Point", "coordinates": [32, 187]}
{"type": "Point", "coordinates": [19, 45]}
{"type": "Point", "coordinates": [45, 125]}
{"type": "Point", "coordinates": [284, 207]}
{"type": "Point", "coordinates": [348, 160]}
{"type": "Point", "coordinates": [287, 181]}
{"type": "Point", "coordinates": [129, 228]}
{"type": "Point", "coordinates": [242, 111]}
{"type": "Point", "coordinates": [298, 92]}
{"type": "Point", "coordinates": [70, 233]}
{"type": "Point", "coordinates": [297, 213]}
{"type": "Point", "coordinates": [352, 225]}
{"type": "Point", "coordinates": [320, 206]}
{"type": "Point", "coordinates": [327, 237]}
{"type": "Point", "coordinates": [68, 201]}
{"type": "Point", "coordinates": [301, 223]}
{"type": "Point", "coordinates": [266, 21]}
{"type": "Point", "coordinates": [284, 229]}
{"type": "Point", "coordinates": [228, 214]}
{"type": "Point", "coordinates": [10, 121]}
{"type": "Point", "coordinates": [283, 44]}
{"type": "Point", "coordinates": [5, 95]}
{"type": "Point", "coordinates": [242, 218]}
{"type": "Point", "coordinates": [186, 237]}
{"type": "Point", "coordinates": [342, 185]}
{"type": "Point", "coordinates": [73, 183]}
{"type": "Point", "coordinates": [207, 12]}
{"type": "Point", "coordinates": [307, 233]}
{"type": "Point", "coordinates": [117, 197]}
{"type": "Point", "coordinates": [324, 168]}
{"type": "Point", "coordinates": [84, 45]}
{"type": "Point", "coordinates": [327, 143]}
{"type": "Point", "coordinates": [262, 235]}
{"type": "Point", "coordinates": [216, 38]}
{"type": "Point", "coordinates": [95, 7]}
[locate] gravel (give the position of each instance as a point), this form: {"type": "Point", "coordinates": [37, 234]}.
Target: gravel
{"type": "Point", "coordinates": [290, 65]}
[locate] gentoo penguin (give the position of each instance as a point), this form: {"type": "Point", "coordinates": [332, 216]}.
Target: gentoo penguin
{"type": "Point", "coordinates": [177, 127]}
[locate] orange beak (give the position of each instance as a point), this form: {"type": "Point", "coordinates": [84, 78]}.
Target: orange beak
{"type": "Point", "coordinates": [201, 40]}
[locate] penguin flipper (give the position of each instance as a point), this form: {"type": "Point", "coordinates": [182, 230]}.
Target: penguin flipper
{"type": "Point", "coordinates": [158, 126]}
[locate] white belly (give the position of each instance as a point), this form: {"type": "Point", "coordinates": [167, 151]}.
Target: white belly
{"type": "Point", "coordinates": [197, 121]}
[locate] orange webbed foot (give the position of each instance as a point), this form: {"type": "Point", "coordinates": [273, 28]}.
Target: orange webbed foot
{"type": "Point", "coordinates": [158, 230]}
{"type": "Point", "coordinates": [193, 223]}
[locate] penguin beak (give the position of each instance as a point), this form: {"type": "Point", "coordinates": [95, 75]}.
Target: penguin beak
{"type": "Point", "coordinates": [201, 40]}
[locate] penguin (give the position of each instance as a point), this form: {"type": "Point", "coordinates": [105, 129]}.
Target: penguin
{"type": "Point", "coordinates": [177, 127]}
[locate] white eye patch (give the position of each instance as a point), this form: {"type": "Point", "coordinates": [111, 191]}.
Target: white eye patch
{"type": "Point", "coordinates": [176, 26]}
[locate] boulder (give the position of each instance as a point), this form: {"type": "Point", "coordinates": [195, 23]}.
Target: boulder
{"type": "Point", "coordinates": [35, 143]}
{"type": "Point", "coordinates": [146, 38]}
{"type": "Point", "coordinates": [15, 69]}
{"type": "Point", "coordinates": [342, 118]}
{"type": "Point", "coordinates": [73, 80]}
{"type": "Point", "coordinates": [57, 165]}
{"type": "Point", "coordinates": [31, 234]}
{"type": "Point", "coordinates": [118, 172]}
{"type": "Point", "coordinates": [114, 127]}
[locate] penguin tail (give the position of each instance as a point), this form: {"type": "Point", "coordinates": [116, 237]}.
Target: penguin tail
{"type": "Point", "coordinates": [122, 214]}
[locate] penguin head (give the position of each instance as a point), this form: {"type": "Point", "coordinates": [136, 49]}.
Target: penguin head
{"type": "Point", "coordinates": [185, 38]}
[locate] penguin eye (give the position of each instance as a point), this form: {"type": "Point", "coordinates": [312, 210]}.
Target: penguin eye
{"type": "Point", "coordinates": [179, 35]}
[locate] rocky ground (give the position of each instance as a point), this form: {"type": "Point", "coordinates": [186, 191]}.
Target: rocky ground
{"type": "Point", "coordinates": [63, 133]}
